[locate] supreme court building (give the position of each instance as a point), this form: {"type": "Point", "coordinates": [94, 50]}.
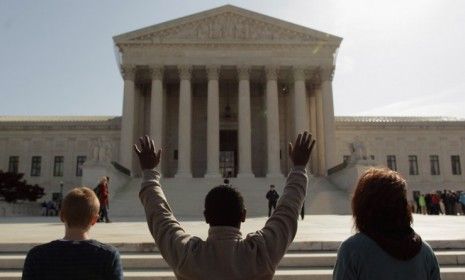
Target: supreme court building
{"type": "Point", "coordinates": [223, 92]}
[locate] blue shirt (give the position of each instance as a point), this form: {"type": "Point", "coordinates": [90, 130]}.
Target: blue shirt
{"type": "Point", "coordinates": [359, 257]}
{"type": "Point", "coordinates": [73, 260]}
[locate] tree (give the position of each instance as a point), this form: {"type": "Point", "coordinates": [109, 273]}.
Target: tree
{"type": "Point", "coordinates": [13, 188]}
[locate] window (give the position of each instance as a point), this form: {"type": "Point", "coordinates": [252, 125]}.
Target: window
{"type": "Point", "coordinates": [434, 161]}
{"type": "Point", "coordinates": [175, 154]}
{"type": "Point", "coordinates": [13, 163]}
{"type": "Point", "coordinates": [372, 157]}
{"type": "Point", "coordinates": [456, 168]}
{"type": "Point", "coordinates": [58, 166]}
{"type": "Point", "coordinates": [391, 162]}
{"type": "Point", "coordinates": [412, 165]}
{"type": "Point", "coordinates": [79, 162]}
{"type": "Point", "coordinates": [36, 166]}
{"type": "Point", "coordinates": [345, 158]}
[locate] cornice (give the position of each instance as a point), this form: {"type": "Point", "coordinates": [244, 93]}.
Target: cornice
{"type": "Point", "coordinates": [70, 124]}
{"type": "Point", "coordinates": [399, 123]}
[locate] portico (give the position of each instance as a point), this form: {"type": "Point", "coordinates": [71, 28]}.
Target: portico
{"type": "Point", "coordinates": [224, 90]}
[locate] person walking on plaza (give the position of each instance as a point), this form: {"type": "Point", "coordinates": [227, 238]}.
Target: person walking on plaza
{"type": "Point", "coordinates": [272, 196]}
{"type": "Point", "coordinates": [103, 196]}
{"type": "Point", "coordinates": [422, 204]}
{"type": "Point", "coordinates": [75, 256]}
{"type": "Point", "coordinates": [462, 201]}
{"type": "Point", "coordinates": [225, 254]}
{"type": "Point", "coordinates": [385, 247]}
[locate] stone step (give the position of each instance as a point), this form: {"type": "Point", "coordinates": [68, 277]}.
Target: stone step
{"type": "Point", "coordinates": [447, 273]}
{"type": "Point", "coordinates": [300, 246]}
{"type": "Point", "coordinates": [291, 259]}
{"type": "Point", "coordinates": [322, 196]}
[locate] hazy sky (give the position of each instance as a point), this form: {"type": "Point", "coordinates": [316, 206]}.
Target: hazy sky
{"type": "Point", "coordinates": [397, 57]}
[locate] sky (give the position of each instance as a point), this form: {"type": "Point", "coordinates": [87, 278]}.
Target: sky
{"type": "Point", "coordinates": [397, 58]}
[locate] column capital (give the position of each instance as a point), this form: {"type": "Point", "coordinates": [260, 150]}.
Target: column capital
{"type": "Point", "coordinates": [271, 72]}
{"type": "Point", "coordinates": [128, 71]}
{"type": "Point", "coordinates": [243, 72]}
{"type": "Point", "coordinates": [299, 72]}
{"type": "Point", "coordinates": [156, 72]}
{"type": "Point", "coordinates": [326, 74]}
{"type": "Point", "coordinates": [185, 72]}
{"type": "Point", "coordinates": [213, 72]}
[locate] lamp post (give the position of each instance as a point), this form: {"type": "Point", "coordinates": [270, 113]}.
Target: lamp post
{"type": "Point", "coordinates": [61, 190]}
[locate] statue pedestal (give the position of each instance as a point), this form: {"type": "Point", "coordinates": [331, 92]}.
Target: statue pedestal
{"type": "Point", "coordinates": [347, 178]}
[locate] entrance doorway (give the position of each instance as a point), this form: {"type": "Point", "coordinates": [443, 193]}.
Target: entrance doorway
{"type": "Point", "coordinates": [228, 153]}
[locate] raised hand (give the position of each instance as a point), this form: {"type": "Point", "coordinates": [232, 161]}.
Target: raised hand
{"type": "Point", "coordinates": [301, 150]}
{"type": "Point", "coordinates": [149, 157]}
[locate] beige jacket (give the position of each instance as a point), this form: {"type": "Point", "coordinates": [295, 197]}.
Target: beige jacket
{"type": "Point", "coordinates": [225, 254]}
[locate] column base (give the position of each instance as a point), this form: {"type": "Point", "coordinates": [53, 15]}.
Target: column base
{"type": "Point", "coordinates": [212, 175]}
{"type": "Point", "coordinates": [245, 175]}
{"type": "Point", "coordinates": [186, 175]}
{"type": "Point", "coordinates": [274, 175]}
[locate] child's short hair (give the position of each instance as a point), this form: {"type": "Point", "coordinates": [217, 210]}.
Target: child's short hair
{"type": "Point", "coordinates": [79, 206]}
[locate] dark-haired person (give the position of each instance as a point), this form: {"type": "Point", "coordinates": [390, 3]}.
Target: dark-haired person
{"type": "Point", "coordinates": [226, 183]}
{"type": "Point", "coordinates": [385, 247]}
{"type": "Point", "coordinates": [272, 196]}
{"type": "Point", "coordinates": [225, 254]}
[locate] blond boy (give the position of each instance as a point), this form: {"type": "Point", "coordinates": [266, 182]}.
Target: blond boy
{"type": "Point", "coordinates": [75, 256]}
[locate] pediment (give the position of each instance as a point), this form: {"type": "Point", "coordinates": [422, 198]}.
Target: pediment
{"type": "Point", "coordinates": [226, 24]}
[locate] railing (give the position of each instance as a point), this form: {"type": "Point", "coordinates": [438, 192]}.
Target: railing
{"type": "Point", "coordinates": [121, 168]}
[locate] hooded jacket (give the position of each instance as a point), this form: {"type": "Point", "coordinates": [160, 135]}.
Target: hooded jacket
{"type": "Point", "coordinates": [386, 257]}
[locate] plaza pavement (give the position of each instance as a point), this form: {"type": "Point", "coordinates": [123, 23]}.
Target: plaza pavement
{"type": "Point", "coordinates": [134, 230]}
{"type": "Point", "coordinates": [311, 257]}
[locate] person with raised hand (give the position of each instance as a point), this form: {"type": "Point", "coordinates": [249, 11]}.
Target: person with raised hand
{"type": "Point", "coordinates": [225, 254]}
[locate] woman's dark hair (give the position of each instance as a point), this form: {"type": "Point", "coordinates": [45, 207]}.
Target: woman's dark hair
{"type": "Point", "coordinates": [380, 202]}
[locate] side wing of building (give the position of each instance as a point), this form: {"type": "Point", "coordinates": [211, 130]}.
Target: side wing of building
{"type": "Point", "coordinates": [51, 150]}
{"type": "Point", "coordinates": [428, 151]}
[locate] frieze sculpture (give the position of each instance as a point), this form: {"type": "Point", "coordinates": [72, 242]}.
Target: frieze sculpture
{"type": "Point", "coordinates": [229, 26]}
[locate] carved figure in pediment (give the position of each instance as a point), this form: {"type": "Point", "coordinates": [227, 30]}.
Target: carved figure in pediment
{"type": "Point", "coordinates": [203, 31]}
{"type": "Point", "coordinates": [216, 30]}
{"type": "Point", "coordinates": [241, 30]}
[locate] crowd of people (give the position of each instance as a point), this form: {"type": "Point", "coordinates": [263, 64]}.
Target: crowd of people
{"type": "Point", "coordinates": [445, 202]}
{"type": "Point", "coordinates": [384, 247]}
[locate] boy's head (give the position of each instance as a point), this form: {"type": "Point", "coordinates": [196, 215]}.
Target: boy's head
{"type": "Point", "coordinates": [224, 206]}
{"type": "Point", "coordinates": [80, 208]}
{"type": "Point", "coordinates": [271, 187]}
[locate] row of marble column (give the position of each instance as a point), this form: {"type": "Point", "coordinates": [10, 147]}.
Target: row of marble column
{"type": "Point", "coordinates": [300, 118]}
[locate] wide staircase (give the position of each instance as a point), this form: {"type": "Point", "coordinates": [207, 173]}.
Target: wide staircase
{"type": "Point", "coordinates": [186, 196]}
{"type": "Point", "coordinates": [304, 260]}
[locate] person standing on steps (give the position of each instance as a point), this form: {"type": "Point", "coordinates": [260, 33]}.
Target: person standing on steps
{"type": "Point", "coordinates": [225, 254]}
{"type": "Point", "coordinates": [103, 197]}
{"type": "Point", "coordinates": [272, 196]}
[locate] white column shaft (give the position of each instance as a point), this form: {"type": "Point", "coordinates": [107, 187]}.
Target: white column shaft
{"type": "Point", "coordinates": [184, 134]}
{"type": "Point", "coordinates": [272, 128]}
{"type": "Point", "coordinates": [313, 130]}
{"type": "Point", "coordinates": [156, 113]}
{"type": "Point", "coordinates": [329, 128]}
{"type": "Point", "coordinates": [320, 134]}
{"type": "Point", "coordinates": [245, 128]}
{"type": "Point", "coordinates": [213, 125]}
{"type": "Point", "coordinates": [301, 122]}
{"type": "Point", "coordinates": [127, 125]}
